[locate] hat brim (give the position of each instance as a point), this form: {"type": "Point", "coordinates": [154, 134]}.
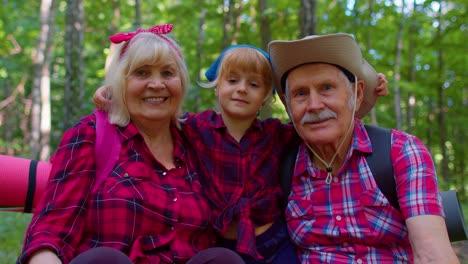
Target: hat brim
{"type": "Point", "coordinates": [338, 49]}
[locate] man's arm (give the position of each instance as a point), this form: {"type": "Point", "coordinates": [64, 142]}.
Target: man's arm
{"type": "Point", "coordinates": [429, 240]}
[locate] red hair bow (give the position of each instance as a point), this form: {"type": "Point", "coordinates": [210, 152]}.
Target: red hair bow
{"type": "Point", "coordinates": [158, 30]}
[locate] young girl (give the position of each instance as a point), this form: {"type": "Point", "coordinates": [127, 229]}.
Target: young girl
{"type": "Point", "coordinates": [239, 156]}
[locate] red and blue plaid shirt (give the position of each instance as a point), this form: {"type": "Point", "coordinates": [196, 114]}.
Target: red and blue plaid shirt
{"type": "Point", "coordinates": [151, 214]}
{"type": "Point", "coordinates": [240, 178]}
{"type": "Point", "coordinates": [350, 220]}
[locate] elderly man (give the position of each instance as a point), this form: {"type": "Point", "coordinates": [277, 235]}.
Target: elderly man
{"type": "Point", "coordinates": [336, 213]}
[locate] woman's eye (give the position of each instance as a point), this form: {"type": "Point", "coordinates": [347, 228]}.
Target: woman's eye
{"type": "Point", "coordinates": [141, 73]}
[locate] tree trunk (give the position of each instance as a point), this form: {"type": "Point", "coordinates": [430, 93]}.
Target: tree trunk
{"type": "Point", "coordinates": [74, 83]}
{"type": "Point", "coordinates": [265, 31]}
{"type": "Point", "coordinates": [307, 18]}
{"type": "Point", "coordinates": [41, 82]}
{"type": "Point", "coordinates": [200, 55]}
{"type": "Point", "coordinates": [373, 115]}
{"type": "Point", "coordinates": [137, 14]}
{"type": "Point", "coordinates": [399, 48]}
{"type": "Point", "coordinates": [411, 69]}
{"type": "Point", "coordinates": [441, 97]}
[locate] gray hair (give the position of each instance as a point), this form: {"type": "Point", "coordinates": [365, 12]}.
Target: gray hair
{"type": "Point", "coordinates": [144, 48]}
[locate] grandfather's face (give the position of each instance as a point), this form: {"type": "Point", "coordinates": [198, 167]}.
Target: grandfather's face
{"type": "Point", "coordinates": [318, 98]}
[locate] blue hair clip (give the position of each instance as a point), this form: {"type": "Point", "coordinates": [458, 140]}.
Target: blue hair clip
{"type": "Point", "coordinates": [212, 71]}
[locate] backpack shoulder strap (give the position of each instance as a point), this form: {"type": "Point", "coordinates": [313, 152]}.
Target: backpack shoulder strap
{"type": "Point", "coordinates": [286, 170]}
{"type": "Point", "coordinates": [106, 149]}
{"type": "Point", "coordinates": [380, 162]}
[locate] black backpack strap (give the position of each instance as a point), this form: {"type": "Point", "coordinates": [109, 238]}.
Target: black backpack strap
{"type": "Point", "coordinates": [380, 162]}
{"type": "Point", "coordinates": [286, 170]}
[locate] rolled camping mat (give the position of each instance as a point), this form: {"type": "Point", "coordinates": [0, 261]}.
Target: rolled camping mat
{"type": "Point", "coordinates": [22, 182]}
{"type": "Point", "coordinates": [454, 218]}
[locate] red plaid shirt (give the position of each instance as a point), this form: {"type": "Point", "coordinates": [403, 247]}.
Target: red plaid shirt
{"type": "Point", "coordinates": [151, 214]}
{"type": "Point", "coordinates": [241, 177]}
{"type": "Point", "coordinates": [350, 220]}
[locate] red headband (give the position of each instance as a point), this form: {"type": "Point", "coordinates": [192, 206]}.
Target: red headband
{"type": "Point", "coordinates": [157, 30]}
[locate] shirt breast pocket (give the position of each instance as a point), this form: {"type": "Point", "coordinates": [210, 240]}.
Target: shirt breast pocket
{"type": "Point", "coordinates": [383, 221]}
{"type": "Point", "coordinates": [127, 180]}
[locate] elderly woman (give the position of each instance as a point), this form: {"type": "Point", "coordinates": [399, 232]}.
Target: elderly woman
{"type": "Point", "coordinates": [336, 213]}
{"type": "Point", "coordinates": [149, 209]}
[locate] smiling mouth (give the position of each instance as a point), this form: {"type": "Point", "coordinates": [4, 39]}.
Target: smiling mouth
{"type": "Point", "coordinates": [240, 101]}
{"type": "Point", "coordinates": [155, 99]}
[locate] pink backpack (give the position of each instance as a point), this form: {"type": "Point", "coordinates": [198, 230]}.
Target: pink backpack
{"type": "Point", "coordinates": [22, 181]}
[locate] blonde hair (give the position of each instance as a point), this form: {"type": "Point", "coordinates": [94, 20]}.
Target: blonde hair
{"type": "Point", "coordinates": [143, 49]}
{"type": "Point", "coordinates": [244, 59]}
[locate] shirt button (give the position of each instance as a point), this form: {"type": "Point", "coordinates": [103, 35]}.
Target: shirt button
{"type": "Point", "coordinates": [175, 199]}
{"type": "Point", "coordinates": [345, 244]}
{"type": "Point", "coordinates": [126, 175]}
{"type": "Point", "coordinates": [164, 173]}
{"type": "Point", "coordinates": [338, 217]}
{"type": "Point", "coordinates": [172, 228]}
{"type": "Point", "coordinates": [335, 179]}
{"type": "Point", "coordinates": [359, 261]}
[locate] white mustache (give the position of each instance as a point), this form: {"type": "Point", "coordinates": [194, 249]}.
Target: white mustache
{"type": "Point", "coordinates": [325, 114]}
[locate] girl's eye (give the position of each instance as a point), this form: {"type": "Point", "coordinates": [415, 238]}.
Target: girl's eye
{"type": "Point", "coordinates": [167, 73]}
{"type": "Point", "coordinates": [254, 84]}
{"type": "Point", "coordinates": [232, 80]}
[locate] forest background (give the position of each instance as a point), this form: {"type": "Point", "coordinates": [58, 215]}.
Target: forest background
{"type": "Point", "coordinates": [53, 55]}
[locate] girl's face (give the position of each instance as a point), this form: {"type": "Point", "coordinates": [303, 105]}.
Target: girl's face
{"type": "Point", "coordinates": [154, 92]}
{"type": "Point", "coordinates": [241, 94]}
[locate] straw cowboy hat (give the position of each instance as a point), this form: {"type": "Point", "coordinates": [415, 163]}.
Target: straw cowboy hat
{"type": "Point", "coordinates": [339, 49]}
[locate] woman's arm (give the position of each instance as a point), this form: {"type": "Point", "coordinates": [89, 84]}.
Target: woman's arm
{"type": "Point", "coordinates": [59, 219]}
{"type": "Point", "coordinates": [44, 256]}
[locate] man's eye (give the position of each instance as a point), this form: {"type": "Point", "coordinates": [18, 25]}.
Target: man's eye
{"type": "Point", "coordinates": [299, 93]}
{"type": "Point", "coordinates": [327, 87]}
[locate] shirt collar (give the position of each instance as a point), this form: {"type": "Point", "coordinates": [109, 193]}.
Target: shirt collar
{"type": "Point", "coordinates": [360, 143]}
{"type": "Point", "coordinates": [217, 123]}
{"type": "Point", "coordinates": [130, 131]}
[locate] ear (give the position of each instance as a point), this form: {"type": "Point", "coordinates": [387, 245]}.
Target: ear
{"type": "Point", "coordinates": [359, 94]}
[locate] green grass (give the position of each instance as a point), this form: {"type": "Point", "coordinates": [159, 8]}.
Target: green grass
{"type": "Point", "coordinates": [12, 229]}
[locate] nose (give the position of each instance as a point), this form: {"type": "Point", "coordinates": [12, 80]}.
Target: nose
{"type": "Point", "coordinates": [242, 87]}
{"type": "Point", "coordinates": [315, 102]}
{"type": "Point", "coordinates": [156, 81]}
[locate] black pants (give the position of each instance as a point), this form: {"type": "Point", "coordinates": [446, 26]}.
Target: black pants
{"type": "Point", "coordinates": [105, 255]}
{"type": "Point", "coordinates": [274, 245]}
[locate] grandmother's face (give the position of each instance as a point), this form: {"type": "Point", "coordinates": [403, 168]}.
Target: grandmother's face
{"type": "Point", "coordinates": [154, 92]}
{"type": "Point", "coordinates": [319, 96]}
